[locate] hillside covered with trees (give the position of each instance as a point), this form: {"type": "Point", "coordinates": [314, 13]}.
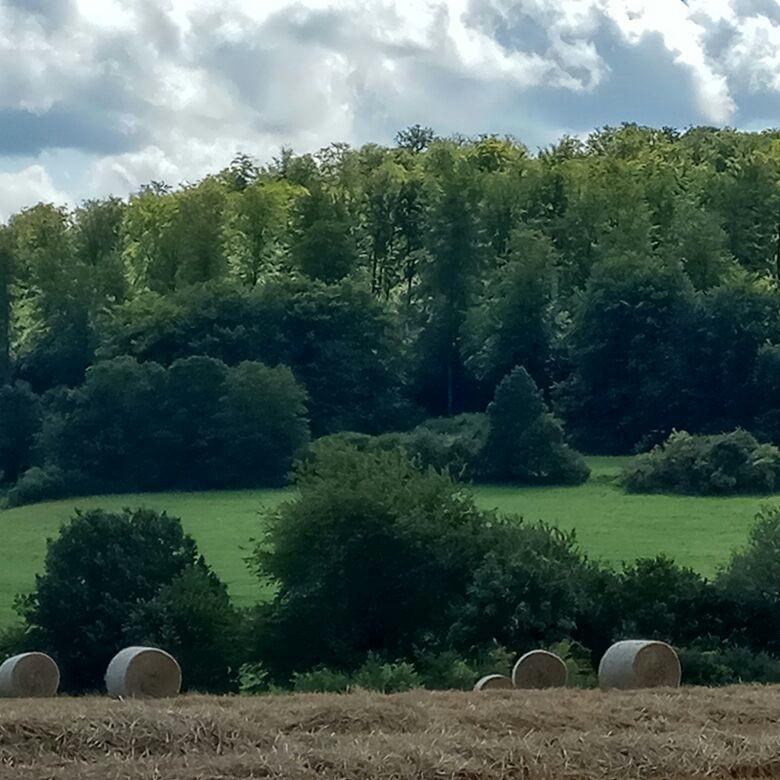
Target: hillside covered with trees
{"type": "Point", "coordinates": [201, 335]}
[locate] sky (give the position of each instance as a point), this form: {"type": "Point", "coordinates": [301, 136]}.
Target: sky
{"type": "Point", "coordinates": [99, 97]}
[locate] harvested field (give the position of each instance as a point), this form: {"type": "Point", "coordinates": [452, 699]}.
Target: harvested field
{"type": "Point", "coordinates": [684, 733]}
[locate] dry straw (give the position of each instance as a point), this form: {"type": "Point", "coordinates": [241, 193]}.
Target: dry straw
{"type": "Point", "coordinates": [143, 672]}
{"type": "Point", "coordinates": [639, 663]}
{"type": "Point", "coordinates": [29, 675]}
{"type": "Point", "coordinates": [493, 682]}
{"type": "Point", "coordinates": [540, 669]}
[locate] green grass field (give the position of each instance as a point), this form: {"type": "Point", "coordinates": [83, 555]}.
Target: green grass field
{"type": "Point", "coordinates": [610, 525]}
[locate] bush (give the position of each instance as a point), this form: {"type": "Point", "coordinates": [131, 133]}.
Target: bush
{"type": "Point", "coordinates": [374, 675]}
{"type": "Point", "coordinates": [96, 572]}
{"type": "Point", "coordinates": [45, 483]}
{"type": "Point", "coordinates": [194, 619]}
{"type": "Point", "coordinates": [728, 666]}
{"type": "Point", "coordinates": [727, 463]}
{"type": "Point", "coordinates": [526, 443]}
{"type": "Point", "coordinates": [750, 586]}
{"type": "Point", "coordinates": [657, 599]}
{"type": "Point", "coordinates": [368, 557]}
{"type": "Point", "coordinates": [526, 592]}
{"type": "Point", "coordinates": [321, 680]}
{"type": "Point", "coordinates": [451, 444]}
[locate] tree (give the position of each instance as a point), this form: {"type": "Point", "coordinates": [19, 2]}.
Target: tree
{"type": "Point", "coordinates": [630, 370]}
{"type": "Point", "coordinates": [512, 323]}
{"type": "Point", "coordinates": [20, 422]}
{"type": "Point", "coordinates": [323, 247]}
{"type": "Point", "coordinates": [448, 280]}
{"type": "Point", "coordinates": [526, 443]}
{"type": "Point", "coordinates": [53, 289]}
{"type": "Point", "coordinates": [527, 592]}
{"type": "Point", "coordinates": [256, 231]}
{"type": "Point", "coordinates": [260, 427]}
{"type": "Point", "coordinates": [367, 558]}
{"type": "Point", "coordinates": [113, 428]}
{"type": "Point", "coordinates": [101, 566]}
{"type": "Point", "coordinates": [415, 138]}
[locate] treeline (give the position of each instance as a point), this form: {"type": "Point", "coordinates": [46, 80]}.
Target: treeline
{"type": "Point", "coordinates": [379, 574]}
{"type": "Point", "coordinates": [633, 274]}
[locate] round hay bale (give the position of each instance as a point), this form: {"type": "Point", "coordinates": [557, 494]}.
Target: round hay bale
{"type": "Point", "coordinates": [29, 675]}
{"type": "Point", "coordinates": [143, 672]}
{"type": "Point", "coordinates": [540, 669]}
{"type": "Point", "coordinates": [493, 682]}
{"type": "Point", "coordinates": [640, 663]}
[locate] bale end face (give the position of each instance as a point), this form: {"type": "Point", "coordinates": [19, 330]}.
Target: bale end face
{"type": "Point", "coordinates": [640, 663]}
{"type": "Point", "coordinates": [143, 672]}
{"type": "Point", "coordinates": [493, 682]}
{"type": "Point", "coordinates": [29, 675]}
{"type": "Point", "coordinates": [540, 669]}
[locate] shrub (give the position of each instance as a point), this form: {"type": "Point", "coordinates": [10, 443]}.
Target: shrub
{"type": "Point", "coordinates": [750, 586]}
{"type": "Point", "coordinates": [526, 592]}
{"type": "Point", "coordinates": [101, 567]}
{"type": "Point", "coordinates": [451, 444]}
{"type": "Point", "coordinates": [47, 482]}
{"type": "Point", "coordinates": [374, 675]}
{"type": "Point", "coordinates": [657, 599]}
{"type": "Point", "coordinates": [700, 465]}
{"type": "Point", "coordinates": [194, 619]}
{"type": "Point", "coordinates": [368, 557]}
{"type": "Point", "coordinates": [446, 671]}
{"type": "Point", "coordinates": [321, 680]}
{"type": "Point", "coordinates": [526, 443]}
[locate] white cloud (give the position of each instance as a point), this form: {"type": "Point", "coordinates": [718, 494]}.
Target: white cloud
{"type": "Point", "coordinates": [27, 187]}
{"type": "Point", "coordinates": [170, 89]}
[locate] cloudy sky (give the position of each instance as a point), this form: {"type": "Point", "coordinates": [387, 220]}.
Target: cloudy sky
{"type": "Point", "coordinates": [100, 96]}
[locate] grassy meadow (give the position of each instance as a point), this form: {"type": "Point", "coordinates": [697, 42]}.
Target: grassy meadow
{"type": "Point", "coordinates": [611, 525]}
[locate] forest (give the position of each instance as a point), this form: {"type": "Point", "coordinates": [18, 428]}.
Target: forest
{"type": "Point", "coordinates": [200, 335]}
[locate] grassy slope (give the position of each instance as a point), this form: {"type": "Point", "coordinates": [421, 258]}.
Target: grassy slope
{"type": "Point", "coordinates": [675, 735]}
{"type": "Point", "coordinates": [610, 524]}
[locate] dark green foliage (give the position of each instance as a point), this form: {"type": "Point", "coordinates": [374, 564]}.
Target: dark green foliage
{"type": "Point", "coordinates": [452, 444]}
{"type": "Point", "coordinates": [628, 365]}
{"type": "Point", "coordinates": [750, 586]}
{"type": "Point", "coordinates": [20, 421]}
{"type": "Point", "coordinates": [657, 599]}
{"type": "Point", "coordinates": [340, 343]}
{"type": "Point", "coordinates": [526, 443]}
{"type": "Point", "coordinates": [350, 554]}
{"type": "Point", "coordinates": [96, 572]}
{"type": "Point", "coordinates": [526, 592]}
{"type": "Point", "coordinates": [701, 465]}
{"type": "Point", "coordinates": [197, 424]}
{"type": "Point", "coordinates": [194, 619]}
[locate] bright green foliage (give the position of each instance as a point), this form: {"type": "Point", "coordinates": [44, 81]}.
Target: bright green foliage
{"type": "Point", "coordinates": [256, 232]}
{"type": "Point", "coordinates": [323, 246]}
{"type": "Point", "coordinates": [526, 443]}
